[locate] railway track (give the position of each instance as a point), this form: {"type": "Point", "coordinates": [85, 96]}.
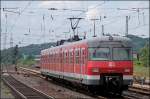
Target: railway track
{"type": "Point", "coordinates": [132, 93]}
{"type": "Point", "coordinates": [22, 91]}
{"type": "Point", "coordinates": [80, 90]}
{"type": "Point", "coordinates": [137, 93]}
{"type": "Point", "coordinates": [143, 91]}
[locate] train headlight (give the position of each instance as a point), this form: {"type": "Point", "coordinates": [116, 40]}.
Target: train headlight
{"type": "Point", "coordinates": [126, 70]}
{"type": "Point", "coordinates": [95, 70]}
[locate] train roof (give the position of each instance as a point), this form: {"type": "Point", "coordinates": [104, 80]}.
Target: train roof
{"type": "Point", "coordinates": [95, 41]}
{"type": "Point", "coordinates": [92, 42]}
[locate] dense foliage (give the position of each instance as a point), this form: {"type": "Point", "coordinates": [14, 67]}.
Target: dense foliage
{"type": "Point", "coordinates": [7, 56]}
{"type": "Point", "coordinates": [144, 55]}
{"type": "Point", "coordinates": [28, 60]}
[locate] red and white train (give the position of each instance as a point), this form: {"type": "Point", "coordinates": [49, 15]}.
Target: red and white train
{"type": "Point", "coordinates": [98, 62]}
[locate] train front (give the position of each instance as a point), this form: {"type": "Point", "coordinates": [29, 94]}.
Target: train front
{"type": "Point", "coordinates": [110, 63]}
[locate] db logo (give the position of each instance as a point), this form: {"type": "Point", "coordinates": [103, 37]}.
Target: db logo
{"type": "Point", "coordinates": [111, 64]}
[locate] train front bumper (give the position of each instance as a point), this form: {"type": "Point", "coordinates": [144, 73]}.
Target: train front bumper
{"type": "Point", "coordinates": [99, 80]}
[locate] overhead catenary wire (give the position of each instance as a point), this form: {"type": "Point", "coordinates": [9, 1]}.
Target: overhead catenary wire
{"type": "Point", "coordinates": [112, 22]}
{"type": "Point", "coordinates": [19, 15]}
{"type": "Point", "coordinates": [65, 21]}
{"type": "Point", "coordinates": [17, 18]}
{"type": "Point", "coordinates": [91, 9]}
{"type": "Point", "coordinates": [139, 26]}
{"type": "Point", "coordinates": [116, 18]}
{"type": "Point", "coordinates": [109, 18]}
{"type": "Point", "coordinates": [80, 15]}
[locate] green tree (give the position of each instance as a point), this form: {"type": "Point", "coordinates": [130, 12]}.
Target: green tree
{"type": "Point", "coordinates": [144, 55]}
{"type": "Point", "coordinates": [29, 60]}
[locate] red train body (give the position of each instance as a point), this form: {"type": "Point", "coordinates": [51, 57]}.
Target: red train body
{"type": "Point", "coordinates": [100, 62]}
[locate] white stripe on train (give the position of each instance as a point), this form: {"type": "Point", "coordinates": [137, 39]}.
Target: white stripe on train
{"type": "Point", "coordinates": [75, 75]}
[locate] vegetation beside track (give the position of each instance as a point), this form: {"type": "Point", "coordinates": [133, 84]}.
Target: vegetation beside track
{"type": "Point", "coordinates": [141, 71]}
{"type": "Point", "coordinates": [28, 61]}
{"type": "Point", "coordinates": [5, 92]}
{"type": "Point", "coordinates": [142, 63]}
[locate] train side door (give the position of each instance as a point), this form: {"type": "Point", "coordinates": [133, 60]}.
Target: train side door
{"type": "Point", "coordinates": [62, 62]}
{"type": "Point", "coordinates": [71, 60]}
{"type": "Point", "coordinates": [76, 57]}
{"type": "Point", "coordinates": [82, 62]}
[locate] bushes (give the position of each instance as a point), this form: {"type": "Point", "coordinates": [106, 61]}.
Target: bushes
{"type": "Point", "coordinates": [142, 66]}
{"type": "Point", "coordinates": [29, 60]}
{"type": "Point", "coordinates": [144, 55]}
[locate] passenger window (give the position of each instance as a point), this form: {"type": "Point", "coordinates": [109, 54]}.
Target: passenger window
{"type": "Point", "coordinates": [71, 56]}
{"type": "Point", "coordinates": [66, 56]}
{"type": "Point", "coordinates": [83, 56]}
{"type": "Point", "coordinates": [63, 57]}
{"type": "Point", "coordinates": [77, 56]}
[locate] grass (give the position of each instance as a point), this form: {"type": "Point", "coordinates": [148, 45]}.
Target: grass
{"type": "Point", "coordinates": [141, 71]}
{"type": "Point", "coordinates": [26, 62]}
{"type": "Point", "coordinates": [5, 92]}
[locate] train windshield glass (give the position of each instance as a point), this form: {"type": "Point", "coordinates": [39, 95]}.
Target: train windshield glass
{"type": "Point", "coordinates": [99, 53]}
{"type": "Point", "coordinates": [122, 54]}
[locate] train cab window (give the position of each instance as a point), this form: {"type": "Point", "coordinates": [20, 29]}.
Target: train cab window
{"type": "Point", "coordinates": [99, 53]}
{"type": "Point", "coordinates": [122, 54]}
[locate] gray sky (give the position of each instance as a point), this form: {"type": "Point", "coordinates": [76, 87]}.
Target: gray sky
{"type": "Point", "coordinates": [28, 27]}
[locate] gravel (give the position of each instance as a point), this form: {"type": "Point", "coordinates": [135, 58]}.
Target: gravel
{"type": "Point", "coordinates": [5, 92]}
{"type": "Point", "coordinates": [49, 88]}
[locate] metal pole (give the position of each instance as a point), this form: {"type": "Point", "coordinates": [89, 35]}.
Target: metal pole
{"type": "Point", "coordinates": [5, 35]}
{"type": "Point", "coordinates": [94, 26]}
{"type": "Point", "coordinates": [94, 29]}
{"type": "Point", "coordinates": [126, 34]}
{"type": "Point", "coordinates": [11, 40]}
{"type": "Point", "coordinates": [78, 30]}
{"type": "Point", "coordinates": [102, 29]}
{"type": "Point", "coordinates": [44, 27]}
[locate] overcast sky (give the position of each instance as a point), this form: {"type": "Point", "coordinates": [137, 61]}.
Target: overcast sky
{"type": "Point", "coordinates": [29, 27]}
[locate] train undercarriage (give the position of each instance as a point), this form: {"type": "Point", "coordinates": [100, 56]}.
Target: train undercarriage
{"type": "Point", "coordinates": [108, 83]}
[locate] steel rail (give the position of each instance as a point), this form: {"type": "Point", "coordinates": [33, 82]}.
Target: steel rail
{"type": "Point", "coordinates": [23, 91]}
{"type": "Point", "coordinates": [141, 91]}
